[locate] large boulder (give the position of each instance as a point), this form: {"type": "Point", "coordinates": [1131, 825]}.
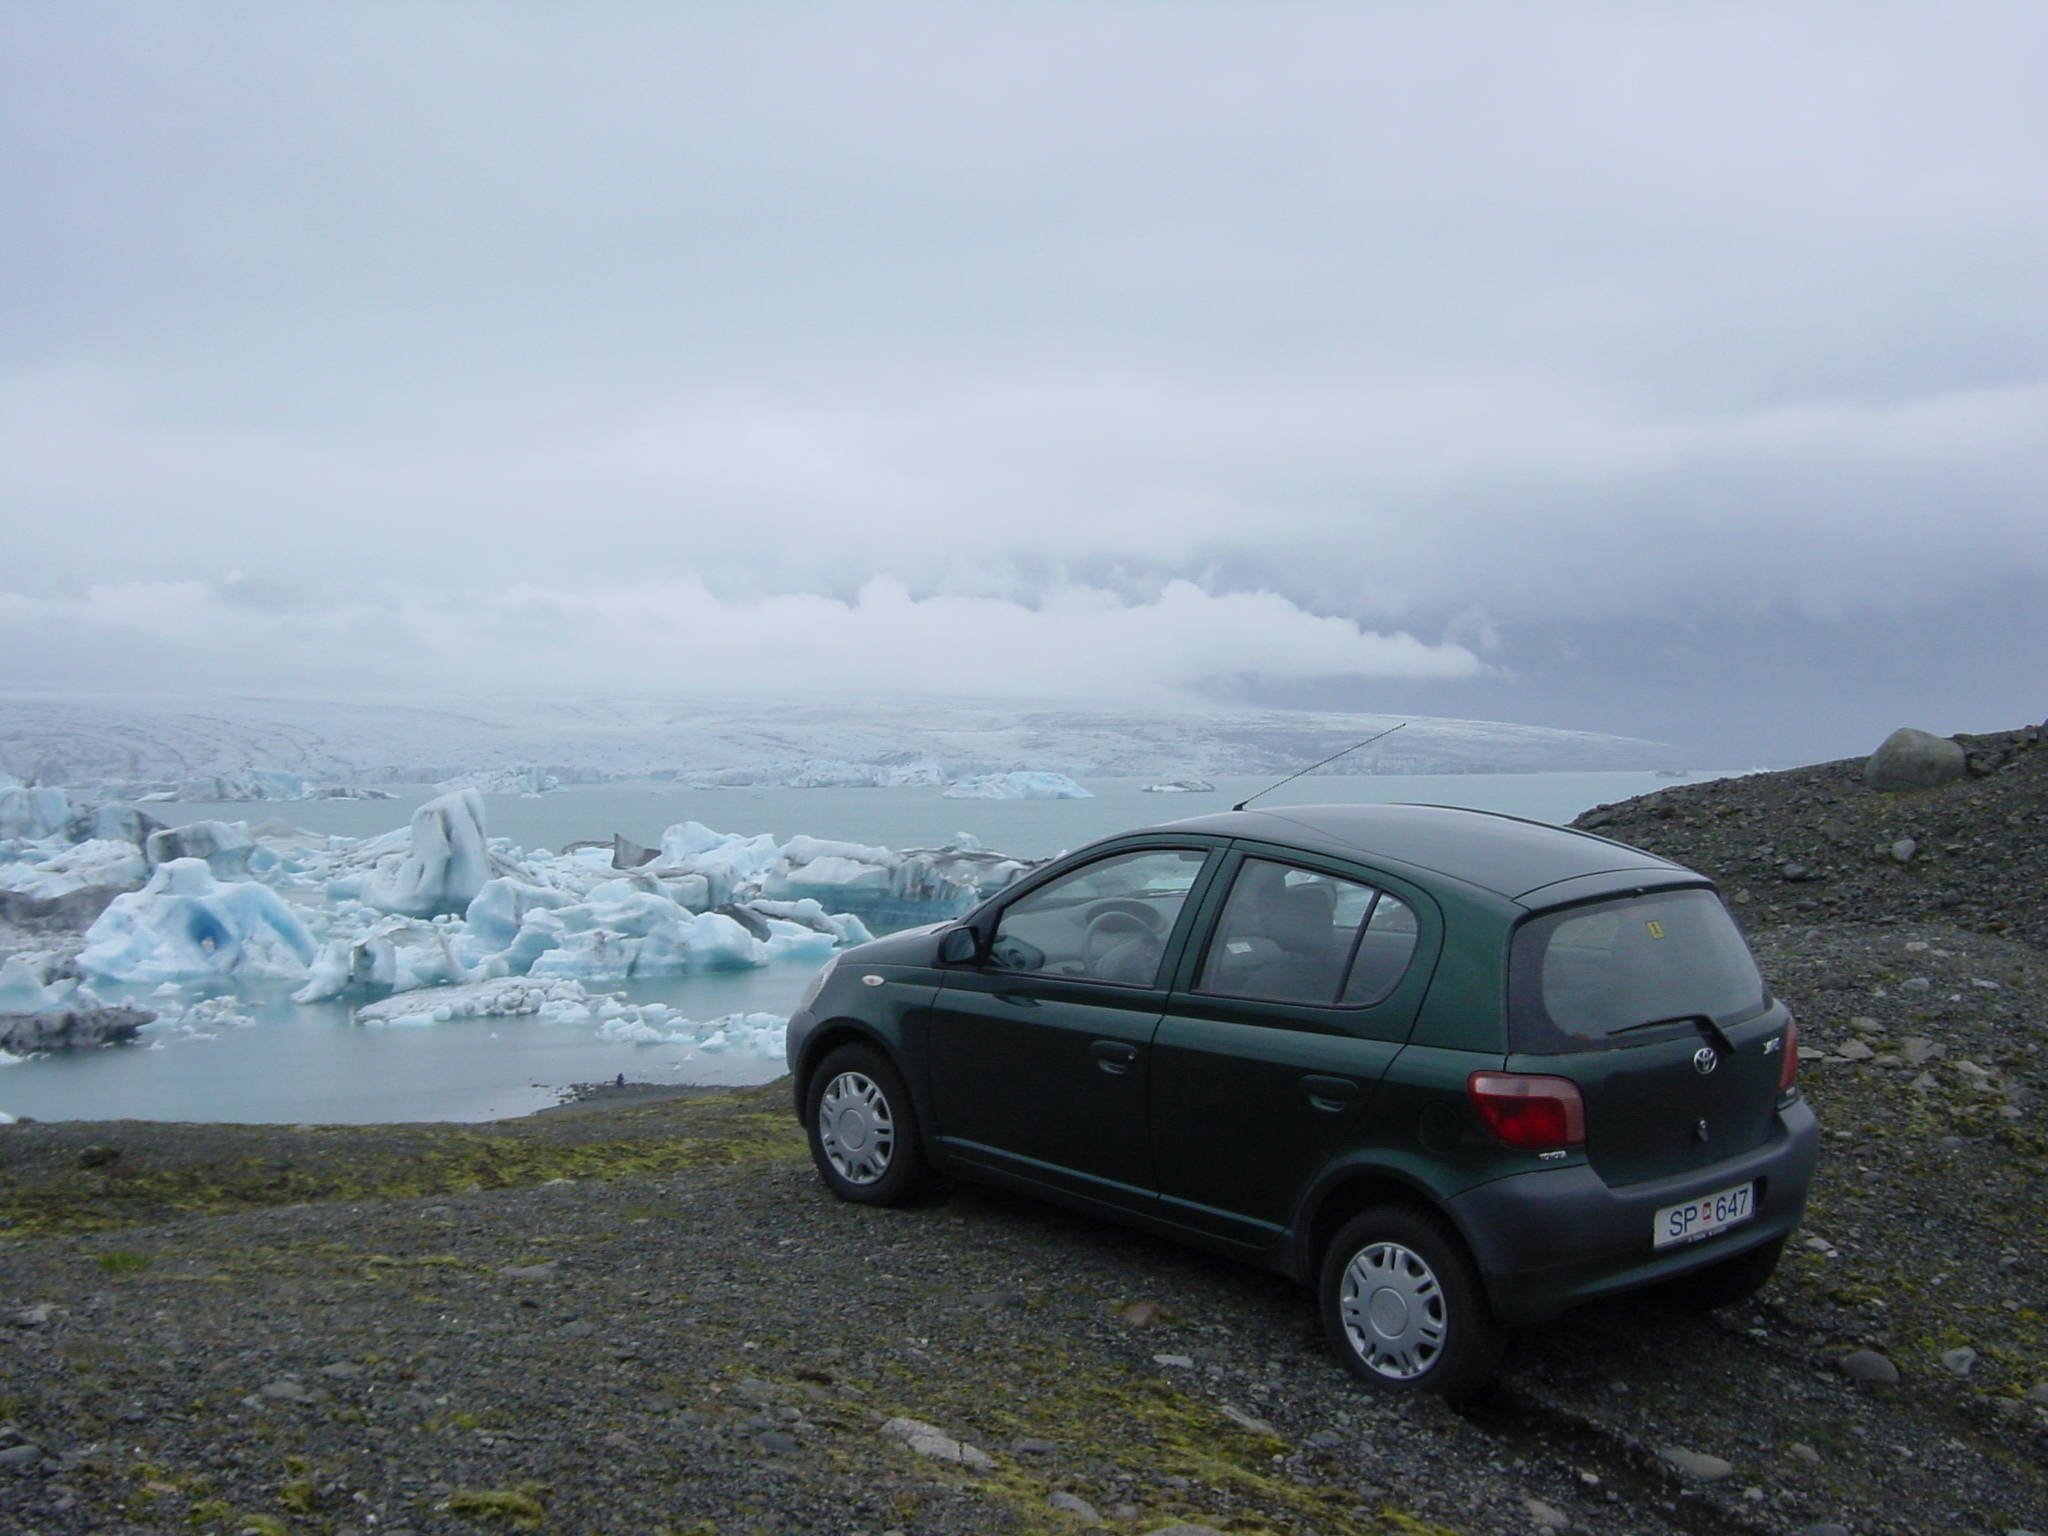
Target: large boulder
{"type": "Point", "coordinates": [1911, 759]}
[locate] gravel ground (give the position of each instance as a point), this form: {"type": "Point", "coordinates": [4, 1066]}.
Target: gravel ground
{"type": "Point", "coordinates": [641, 1313]}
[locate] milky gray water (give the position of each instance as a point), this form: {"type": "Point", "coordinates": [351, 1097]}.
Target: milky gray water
{"type": "Point", "coordinates": [297, 1064]}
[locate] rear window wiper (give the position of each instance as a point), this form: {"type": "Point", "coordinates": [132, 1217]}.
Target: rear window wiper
{"type": "Point", "coordinates": [1700, 1021]}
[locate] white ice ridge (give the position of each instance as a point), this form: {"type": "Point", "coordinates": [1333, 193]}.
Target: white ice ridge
{"type": "Point", "coordinates": [567, 1002]}
{"type": "Point", "coordinates": [1021, 785]}
{"type": "Point", "coordinates": [442, 905]}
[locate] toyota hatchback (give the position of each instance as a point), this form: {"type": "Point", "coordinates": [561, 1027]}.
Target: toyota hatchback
{"type": "Point", "coordinates": [1456, 1071]}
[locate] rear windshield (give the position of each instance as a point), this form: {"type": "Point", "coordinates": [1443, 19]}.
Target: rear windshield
{"type": "Point", "coordinates": [1584, 975]}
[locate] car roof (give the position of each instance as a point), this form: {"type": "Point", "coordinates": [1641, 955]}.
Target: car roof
{"type": "Point", "coordinates": [1503, 854]}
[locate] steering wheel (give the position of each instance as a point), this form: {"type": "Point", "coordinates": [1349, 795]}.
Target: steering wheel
{"type": "Point", "coordinates": [1146, 914]}
{"type": "Point", "coordinates": [1121, 935]}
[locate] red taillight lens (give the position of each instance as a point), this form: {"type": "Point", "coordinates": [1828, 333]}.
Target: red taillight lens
{"type": "Point", "coordinates": [1790, 1068]}
{"type": "Point", "coordinates": [1530, 1114]}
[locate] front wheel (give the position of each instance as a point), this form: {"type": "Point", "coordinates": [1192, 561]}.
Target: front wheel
{"type": "Point", "coordinates": [863, 1130]}
{"type": "Point", "coordinates": [1404, 1309]}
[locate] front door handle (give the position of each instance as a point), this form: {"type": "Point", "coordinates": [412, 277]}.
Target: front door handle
{"type": "Point", "coordinates": [1330, 1093]}
{"type": "Point", "coordinates": [1114, 1056]}
{"type": "Point", "coordinates": [1017, 999]}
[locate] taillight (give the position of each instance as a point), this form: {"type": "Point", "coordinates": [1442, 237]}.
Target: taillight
{"type": "Point", "coordinates": [1789, 1069]}
{"type": "Point", "coordinates": [1530, 1114]}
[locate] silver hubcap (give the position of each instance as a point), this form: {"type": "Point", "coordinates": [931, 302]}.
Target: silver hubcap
{"type": "Point", "coordinates": [856, 1128]}
{"type": "Point", "coordinates": [1393, 1310]}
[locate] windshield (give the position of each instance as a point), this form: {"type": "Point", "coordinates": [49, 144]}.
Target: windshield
{"type": "Point", "coordinates": [1583, 975]}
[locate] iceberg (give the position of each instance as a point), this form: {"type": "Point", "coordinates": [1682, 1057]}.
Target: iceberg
{"type": "Point", "coordinates": [447, 862]}
{"type": "Point", "coordinates": [40, 812]}
{"type": "Point", "coordinates": [1181, 787]}
{"type": "Point", "coordinates": [224, 845]}
{"type": "Point", "coordinates": [185, 924]}
{"type": "Point", "coordinates": [505, 998]}
{"type": "Point", "coordinates": [1020, 785]}
{"type": "Point", "coordinates": [95, 862]}
{"type": "Point", "coordinates": [521, 780]}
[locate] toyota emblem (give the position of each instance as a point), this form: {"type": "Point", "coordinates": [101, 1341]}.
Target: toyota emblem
{"type": "Point", "coordinates": [1704, 1060]}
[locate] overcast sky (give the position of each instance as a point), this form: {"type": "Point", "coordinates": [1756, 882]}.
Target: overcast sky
{"type": "Point", "coordinates": [1646, 367]}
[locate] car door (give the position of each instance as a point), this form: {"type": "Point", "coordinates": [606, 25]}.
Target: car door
{"type": "Point", "coordinates": [1294, 1006]}
{"type": "Point", "coordinates": [1040, 1049]}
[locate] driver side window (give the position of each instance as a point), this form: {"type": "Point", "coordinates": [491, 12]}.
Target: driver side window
{"type": "Point", "coordinates": [1107, 921]}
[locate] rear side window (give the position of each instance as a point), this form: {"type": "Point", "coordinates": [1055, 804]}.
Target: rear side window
{"type": "Point", "coordinates": [1584, 976]}
{"type": "Point", "coordinates": [1291, 935]}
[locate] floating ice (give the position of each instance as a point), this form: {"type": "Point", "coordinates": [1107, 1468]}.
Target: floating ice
{"type": "Point", "coordinates": [447, 864]}
{"type": "Point", "coordinates": [185, 924]}
{"type": "Point", "coordinates": [752, 1034]}
{"type": "Point", "coordinates": [1021, 785]}
{"type": "Point", "coordinates": [97, 861]}
{"type": "Point", "coordinates": [1181, 787]}
{"type": "Point", "coordinates": [520, 780]}
{"type": "Point", "coordinates": [503, 998]}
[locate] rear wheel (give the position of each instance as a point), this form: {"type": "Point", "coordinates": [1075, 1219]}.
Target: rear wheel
{"type": "Point", "coordinates": [863, 1130]}
{"type": "Point", "coordinates": [1403, 1306]}
{"type": "Point", "coordinates": [1726, 1283]}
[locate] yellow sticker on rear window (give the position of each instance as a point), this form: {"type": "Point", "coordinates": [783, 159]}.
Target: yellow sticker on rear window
{"type": "Point", "coordinates": [1656, 929]}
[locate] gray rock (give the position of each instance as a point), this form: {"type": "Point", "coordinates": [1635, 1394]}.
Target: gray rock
{"type": "Point", "coordinates": [1696, 1465]}
{"type": "Point", "coordinates": [1030, 1446]}
{"type": "Point", "coordinates": [1074, 1504]}
{"type": "Point", "coordinates": [1549, 1516]}
{"type": "Point", "coordinates": [529, 1271]}
{"type": "Point", "coordinates": [1179, 1362]}
{"type": "Point", "coordinates": [1911, 759]}
{"type": "Point", "coordinates": [1325, 1440]}
{"type": "Point", "coordinates": [578, 1330]}
{"type": "Point", "coordinates": [1186, 1530]}
{"type": "Point", "coordinates": [1800, 1451]}
{"type": "Point", "coordinates": [1854, 1050]}
{"type": "Point", "coordinates": [776, 1442]}
{"type": "Point", "coordinates": [341, 1368]}
{"type": "Point", "coordinates": [31, 1317]}
{"type": "Point", "coordinates": [1959, 1361]}
{"type": "Point", "coordinates": [1868, 1366]}
{"type": "Point", "coordinates": [2038, 1393]}
{"type": "Point", "coordinates": [930, 1440]}
{"type": "Point", "coordinates": [284, 1392]}
{"type": "Point", "coordinates": [1903, 850]}
{"type": "Point", "coordinates": [995, 1300]}
{"type": "Point", "coordinates": [1824, 1530]}
{"type": "Point", "coordinates": [27, 1454]}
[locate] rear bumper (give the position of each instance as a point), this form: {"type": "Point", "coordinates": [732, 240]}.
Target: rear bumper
{"type": "Point", "coordinates": [1549, 1240]}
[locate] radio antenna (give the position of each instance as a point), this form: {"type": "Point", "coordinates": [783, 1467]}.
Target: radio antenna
{"type": "Point", "coordinates": [1312, 767]}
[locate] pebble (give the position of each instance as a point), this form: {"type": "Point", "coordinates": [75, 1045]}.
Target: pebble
{"type": "Point", "coordinates": [528, 1271]}
{"type": "Point", "coordinates": [1959, 1361]}
{"type": "Point", "coordinates": [1325, 1440]}
{"type": "Point", "coordinates": [1800, 1451]}
{"type": "Point", "coordinates": [578, 1330]}
{"type": "Point", "coordinates": [25, 1454]}
{"type": "Point", "coordinates": [776, 1442]}
{"type": "Point", "coordinates": [1031, 1446]}
{"type": "Point", "coordinates": [341, 1368]}
{"type": "Point", "coordinates": [996, 1300]}
{"type": "Point", "coordinates": [930, 1440]}
{"type": "Point", "coordinates": [1903, 850]}
{"type": "Point", "coordinates": [1181, 1362]}
{"type": "Point", "coordinates": [1919, 1050]}
{"type": "Point", "coordinates": [1696, 1464]}
{"type": "Point", "coordinates": [1549, 1516]}
{"type": "Point", "coordinates": [1186, 1530]}
{"type": "Point", "coordinates": [285, 1392]}
{"type": "Point", "coordinates": [1074, 1504]}
{"type": "Point", "coordinates": [1245, 1420]}
{"type": "Point", "coordinates": [1916, 984]}
{"type": "Point", "coordinates": [1854, 1050]}
{"type": "Point", "coordinates": [1824, 1530]}
{"type": "Point", "coordinates": [1867, 1365]}
{"type": "Point", "coordinates": [30, 1317]}
{"type": "Point", "coordinates": [2038, 1393]}
{"type": "Point", "coordinates": [1141, 1312]}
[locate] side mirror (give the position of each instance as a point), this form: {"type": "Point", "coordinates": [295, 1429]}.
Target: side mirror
{"type": "Point", "coordinates": [960, 946]}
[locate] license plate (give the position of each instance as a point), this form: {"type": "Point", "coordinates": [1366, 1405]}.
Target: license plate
{"type": "Point", "coordinates": [1695, 1219]}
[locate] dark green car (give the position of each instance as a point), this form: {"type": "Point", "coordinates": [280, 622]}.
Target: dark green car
{"type": "Point", "coordinates": [1458, 1071]}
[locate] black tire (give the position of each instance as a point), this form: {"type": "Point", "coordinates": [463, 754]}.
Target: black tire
{"type": "Point", "coordinates": [1726, 1283]}
{"type": "Point", "coordinates": [863, 1129]}
{"type": "Point", "coordinates": [1404, 1309]}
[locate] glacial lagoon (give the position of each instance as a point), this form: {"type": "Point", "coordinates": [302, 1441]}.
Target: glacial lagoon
{"type": "Point", "coordinates": [254, 1055]}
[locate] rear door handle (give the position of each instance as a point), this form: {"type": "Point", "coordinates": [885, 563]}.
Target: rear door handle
{"type": "Point", "coordinates": [1113, 1055]}
{"type": "Point", "coordinates": [1331, 1093]}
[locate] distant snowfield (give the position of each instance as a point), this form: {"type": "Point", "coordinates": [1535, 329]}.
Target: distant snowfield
{"type": "Point", "coordinates": [79, 739]}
